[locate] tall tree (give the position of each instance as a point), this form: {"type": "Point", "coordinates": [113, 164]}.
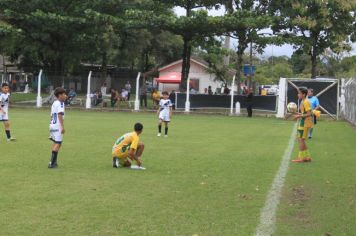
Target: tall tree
{"type": "Point", "coordinates": [48, 33]}
{"type": "Point", "coordinates": [316, 25]}
{"type": "Point", "coordinates": [243, 22]}
{"type": "Point", "coordinates": [194, 25]}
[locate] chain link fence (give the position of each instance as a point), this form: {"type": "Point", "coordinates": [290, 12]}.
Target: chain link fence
{"type": "Point", "coordinates": [348, 100]}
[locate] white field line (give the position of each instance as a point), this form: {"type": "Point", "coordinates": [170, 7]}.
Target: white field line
{"type": "Point", "coordinates": [268, 212]}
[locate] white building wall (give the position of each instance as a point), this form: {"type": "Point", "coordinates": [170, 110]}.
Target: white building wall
{"type": "Point", "coordinates": [196, 72]}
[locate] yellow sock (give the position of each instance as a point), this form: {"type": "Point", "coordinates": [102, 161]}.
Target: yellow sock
{"type": "Point", "coordinates": [300, 155]}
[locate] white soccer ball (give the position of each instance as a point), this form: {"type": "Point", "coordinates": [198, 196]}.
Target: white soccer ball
{"type": "Point", "coordinates": [292, 107]}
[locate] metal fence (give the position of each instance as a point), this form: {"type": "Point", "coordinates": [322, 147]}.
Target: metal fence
{"type": "Point", "coordinates": [348, 100]}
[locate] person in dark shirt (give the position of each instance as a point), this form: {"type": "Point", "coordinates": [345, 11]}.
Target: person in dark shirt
{"type": "Point", "coordinates": [226, 90]}
{"type": "Point", "coordinates": [210, 91]}
{"type": "Point", "coordinates": [172, 97]}
{"type": "Point", "coordinates": [143, 95]}
{"type": "Point", "coordinates": [249, 102]}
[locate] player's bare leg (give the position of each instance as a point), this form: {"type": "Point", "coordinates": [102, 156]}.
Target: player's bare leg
{"type": "Point", "coordinates": [7, 131]}
{"type": "Point", "coordinates": [140, 148]}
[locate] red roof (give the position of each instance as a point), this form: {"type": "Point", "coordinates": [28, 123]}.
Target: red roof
{"type": "Point", "coordinates": [170, 78]}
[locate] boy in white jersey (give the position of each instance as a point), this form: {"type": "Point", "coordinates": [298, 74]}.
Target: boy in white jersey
{"type": "Point", "coordinates": [4, 109]}
{"type": "Point", "coordinates": [164, 113]}
{"type": "Point", "coordinates": [56, 127]}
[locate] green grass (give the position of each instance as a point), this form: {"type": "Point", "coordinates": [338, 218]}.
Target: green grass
{"type": "Point", "coordinates": [19, 97]}
{"type": "Point", "coordinates": [210, 177]}
{"type": "Point", "coordinates": [320, 198]}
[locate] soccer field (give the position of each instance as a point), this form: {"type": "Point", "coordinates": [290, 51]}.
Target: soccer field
{"type": "Point", "coordinates": [210, 177]}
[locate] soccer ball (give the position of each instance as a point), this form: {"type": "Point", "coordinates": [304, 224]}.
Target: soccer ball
{"type": "Point", "coordinates": [292, 107]}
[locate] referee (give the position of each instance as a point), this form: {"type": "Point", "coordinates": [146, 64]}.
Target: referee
{"type": "Point", "coordinates": [314, 101]}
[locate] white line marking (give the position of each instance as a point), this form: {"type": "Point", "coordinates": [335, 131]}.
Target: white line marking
{"type": "Point", "coordinates": [268, 212]}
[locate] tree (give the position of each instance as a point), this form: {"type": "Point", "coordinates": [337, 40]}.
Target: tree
{"type": "Point", "coordinates": [194, 25]}
{"type": "Point", "coordinates": [47, 33]}
{"type": "Point", "coordinates": [215, 54]}
{"type": "Point", "coordinates": [243, 22]}
{"type": "Point", "coordinates": [314, 26]}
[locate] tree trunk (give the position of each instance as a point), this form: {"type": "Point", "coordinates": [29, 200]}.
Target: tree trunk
{"type": "Point", "coordinates": [238, 71]}
{"type": "Point", "coordinates": [314, 64]}
{"type": "Point", "coordinates": [187, 48]}
{"type": "Point", "coordinates": [104, 63]}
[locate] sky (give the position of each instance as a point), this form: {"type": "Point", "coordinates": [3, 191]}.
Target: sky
{"type": "Point", "coordinates": [284, 50]}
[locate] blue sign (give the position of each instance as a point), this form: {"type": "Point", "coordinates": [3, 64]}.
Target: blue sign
{"type": "Point", "coordinates": [247, 69]}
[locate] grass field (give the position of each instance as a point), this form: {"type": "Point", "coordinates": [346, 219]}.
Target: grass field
{"type": "Point", "coordinates": [210, 177]}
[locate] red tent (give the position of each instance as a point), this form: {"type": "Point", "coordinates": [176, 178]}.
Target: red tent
{"type": "Point", "coordinates": [170, 78]}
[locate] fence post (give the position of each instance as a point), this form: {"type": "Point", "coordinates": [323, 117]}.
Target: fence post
{"type": "Point", "coordinates": [88, 100]}
{"type": "Point", "coordinates": [137, 101]}
{"type": "Point", "coordinates": [187, 102]}
{"type": "Point", "coordinates": [281, 98]}
{"type": "Point", "coordinates": [39, 98]}
{"type": "Point", "coordinates": [232, 95]}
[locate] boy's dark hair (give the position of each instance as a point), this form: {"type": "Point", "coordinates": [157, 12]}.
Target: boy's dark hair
{"type": "Point", "coordinates": [165, 93]}
{"type": "Point", "coordinates": [58, 91]}
{"type": "Point", "coordinates": [303, 90]}
{"type": "Point", "coordinates": [138, 127]}
{"type": "Point", "coordinates": [4, 85]}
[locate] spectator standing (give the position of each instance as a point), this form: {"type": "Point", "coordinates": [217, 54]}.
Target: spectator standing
{"type": "Point", "coordinates": [128, 89]}
{"type": "Point", "coordinates": [210, 91]}
{"type": "Point", "coordinates": [156, 97]}
{"type": "Point", "coordinates": [249, 102]}
{"type": "Point", "coordinates": [315, 105]}
{"type": "Point", "coordinates": [172, 97]}
{"type": "Point", "coordinates": [143, 95]}
{"type": "Point", "coordinates": [226, 90]}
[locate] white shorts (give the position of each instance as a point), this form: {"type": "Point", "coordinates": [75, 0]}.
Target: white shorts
{"type": "Point", "coordinates": [55, 135]}
{"type": "Point", "coordinates": [164, 116]}
{"type": "Point", "coordinates": [4, 116]}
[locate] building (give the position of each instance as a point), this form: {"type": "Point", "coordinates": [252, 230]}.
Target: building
{"type": "Point", "coordinates": [170, 77]}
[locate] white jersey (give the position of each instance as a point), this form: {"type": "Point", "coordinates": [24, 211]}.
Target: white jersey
{"type": "Point", "coordinates": [57, 108]}
{"type": "Point", "coordinates": [4, 104]}
{"type": "Point", "coordinates": [4, 101]}
{"type": "Point", "coordinates": [164, 107]}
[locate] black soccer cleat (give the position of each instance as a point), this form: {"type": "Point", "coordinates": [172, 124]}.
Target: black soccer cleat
{"type": "Point", "coordinates": [52, 166]}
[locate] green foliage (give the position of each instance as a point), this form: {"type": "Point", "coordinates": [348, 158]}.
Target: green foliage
{"type": "Point", "coordinates": [314, 26]}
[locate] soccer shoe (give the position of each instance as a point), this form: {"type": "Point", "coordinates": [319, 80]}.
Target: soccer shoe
{"type": "Point", "coordinates": [11, 139]}
{"type": "Point", "coordinates": [166, 136]}
{"type": "Point", "coordinates": [115, 163]}
{"type": "Point", "coordinates": [52, 166]}
{"type": "Point", "coordinates": [159, 135]}
{"type": "Point", "coordinates": [298, 160]}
